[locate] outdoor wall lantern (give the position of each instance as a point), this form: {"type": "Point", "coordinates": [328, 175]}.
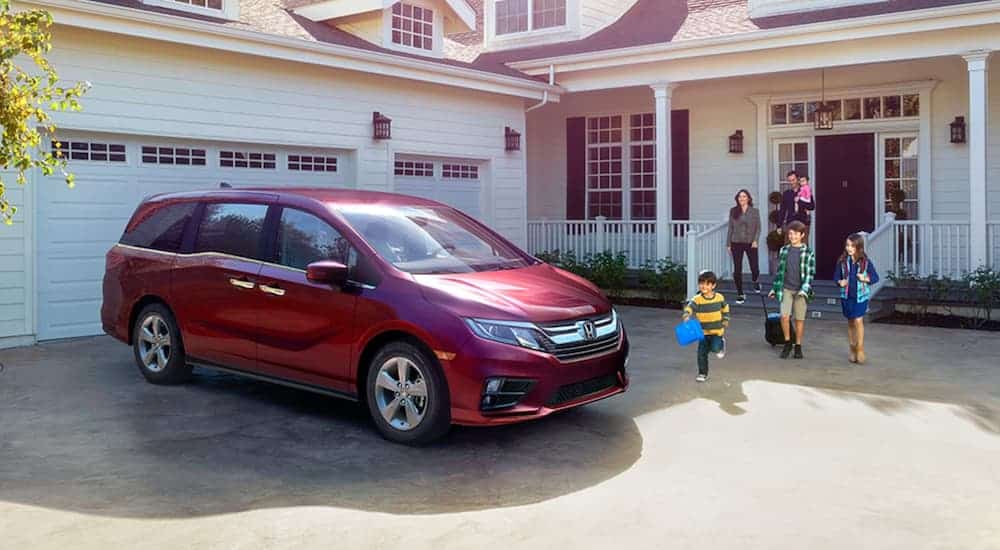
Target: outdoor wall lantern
{"type": "Point", "coordinates": [958, 130]}
{"type": "Point", "coordinates": [512, 138]}
{"type": "Point", "coordinates": [736, 142]}
{"type": "Point", "coordinates": [381, 126]}
{"type": "Point", "coordinates": [824, 116]}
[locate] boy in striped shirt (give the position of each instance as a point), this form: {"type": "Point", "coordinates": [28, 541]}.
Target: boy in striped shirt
{"type": "Point", "coordinates": [711, 310]}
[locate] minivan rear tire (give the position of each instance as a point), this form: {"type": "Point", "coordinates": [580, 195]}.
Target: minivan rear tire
{"type": "Point", "coordinates": [426, 395]}
{"type": "Point", "coordinates": [158, 347]}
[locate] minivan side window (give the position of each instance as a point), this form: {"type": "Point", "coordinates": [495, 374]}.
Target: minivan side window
{"type": "Point", "coordinates": [233, 229]}
{"type": "Point", "coordinates": [163, 229]}
{"type": "Point", "coordinates": [304, 238]}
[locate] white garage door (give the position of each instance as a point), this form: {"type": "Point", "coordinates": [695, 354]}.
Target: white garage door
{"type": "Point", "coordinates": [76, 227]}
{"type": "Point", "coordinates": [455, 183]}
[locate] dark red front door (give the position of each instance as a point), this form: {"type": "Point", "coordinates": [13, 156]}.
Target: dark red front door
{"type": "Point", "coordinates": [844, 185]}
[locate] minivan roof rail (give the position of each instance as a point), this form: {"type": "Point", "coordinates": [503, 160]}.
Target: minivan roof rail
{"type": "Point", "coordinates": [225, 185]}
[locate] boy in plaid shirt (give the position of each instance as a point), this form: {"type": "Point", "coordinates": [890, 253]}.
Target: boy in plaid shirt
{"type": "Point", "coordinates": [711, 310]}
{"type": "Point", "coordinates": [793, 285]}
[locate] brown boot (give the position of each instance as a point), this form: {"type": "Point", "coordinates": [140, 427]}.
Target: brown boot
{"type": "Point", "coordinates": [859, 332]}
{"type": "Point", "coordinates": [851, 339]}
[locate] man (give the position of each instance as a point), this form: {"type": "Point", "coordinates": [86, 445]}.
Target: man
{"type": "Point", "coordinates": [788, 212]}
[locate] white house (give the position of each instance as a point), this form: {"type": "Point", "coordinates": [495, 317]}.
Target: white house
{"type": "Point", "coordinates": [191, 93]}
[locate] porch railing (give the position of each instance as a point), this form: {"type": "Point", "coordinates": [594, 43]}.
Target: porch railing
{"type": "Point", "coordinates": [932, 248]}
{"type": "Point", "coordinates": [636, 239]}
{"type": "Point", "coordinates": [707, 250]}
{"type": "Point", "coordinates": [881, 245]}
{"type": "Point", "coordinates": [993, 244]}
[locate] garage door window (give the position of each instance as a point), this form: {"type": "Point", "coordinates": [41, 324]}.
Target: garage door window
{"type": "Point", "coordinates": [414, 168]}
{"type": "Point", "coordinates": [162, 230]}
{"type": "Point", "coordinates": [233, 229]}
{"type": "Point", "coordinates": [92, 151]}
{"type": "Point", "coordinates": [243, 159]}
{"type": "Point", "coordinates": [308, 163]}
{"type": "Point", "coordinates": [181, 156]}
{"type": "Point", "coordinates": [460, 171]}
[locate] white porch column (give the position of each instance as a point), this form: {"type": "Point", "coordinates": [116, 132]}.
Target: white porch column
{"type": "Point", "coordinates": [978, 109]}
{"type": "Point", "coordinates": [761, 102]}
{"type": "Point", "coordinates": [663, 94]}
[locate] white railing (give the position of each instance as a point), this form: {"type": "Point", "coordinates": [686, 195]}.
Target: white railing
{"type": "Point", "coordinates": [993, 244]}
{"type": "Point", "coordinates": [636, 239]}
{"type": "Point", "coordinates": [881, 246]}
{"type": "Point", "coordinates": [925, 248]}
{"type": "Point", "coordinates": [706, 250]}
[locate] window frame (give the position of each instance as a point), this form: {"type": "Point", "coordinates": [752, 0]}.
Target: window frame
{"type": "Point", "coordinates": [880, 185]}
{"type": "Point", "coordinates": [569, 8]}
{"type": "Point", "coordinates": [194, 219]}
{"type": "Point", "coordinates": [403, 18]}
{"type": "Point", "coordinates": [230, 8]}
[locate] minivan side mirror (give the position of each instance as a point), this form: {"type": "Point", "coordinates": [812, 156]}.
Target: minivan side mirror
{"type": "Point", "coordinates": [327, 272]}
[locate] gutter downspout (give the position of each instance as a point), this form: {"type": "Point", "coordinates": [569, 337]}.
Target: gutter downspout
{"type": "Point", "coordinates": [545, 94]}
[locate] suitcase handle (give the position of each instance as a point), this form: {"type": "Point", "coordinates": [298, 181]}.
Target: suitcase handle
{"type": "Point", "coordinates": [763, 302]}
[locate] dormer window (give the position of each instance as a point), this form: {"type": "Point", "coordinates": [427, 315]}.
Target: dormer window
{"type": "Point", "coordinates": [513, 16]}
{"type": "Point", "coordinates": [221, 9]}
{"type": "Point", "coordinates": [413, 26]}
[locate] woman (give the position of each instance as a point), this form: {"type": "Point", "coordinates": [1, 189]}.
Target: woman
{"type": "Point", "coordinates": [744, 229]}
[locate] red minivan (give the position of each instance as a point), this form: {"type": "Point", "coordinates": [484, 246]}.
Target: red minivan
{"type": "Point", "coordinates": [407, 305]}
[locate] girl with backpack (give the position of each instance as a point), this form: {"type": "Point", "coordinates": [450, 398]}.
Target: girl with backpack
{"type": "Point", "coordinates": [855, 274]}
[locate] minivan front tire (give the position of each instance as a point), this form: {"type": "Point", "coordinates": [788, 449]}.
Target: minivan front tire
{"type": "Point", "coordinates": [157, 346]}
{"type": "Point", "coordinates": [407, 395]}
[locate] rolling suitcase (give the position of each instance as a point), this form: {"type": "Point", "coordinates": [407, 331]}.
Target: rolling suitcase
{"type": "Point", "coordinates": [772, 326]}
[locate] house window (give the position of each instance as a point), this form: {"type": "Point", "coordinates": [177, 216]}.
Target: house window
{"type": "Point", "coordinates": [792, 156]}
{"type": "Point", "coordinates": [210, 4]}
{"type": "Point", "coordinates": [523, 15]}
{"type": "Point", "coordinates": [852, 108]}
{"type": "Point", "coordinates": [181, 156]}
{"type": "Point", "coordinates": [604, 167]}
{"type": "Point", "coordinates": [306, 163]}
{"type": "Point", "coordinates": [414, 168]}
{"type": "Point", "coordinates": [899, 175]}
{"type": "Point", "coordinates": [243, 159]}
{"type": "Point", "coordinates": [413, 26]}
{"type": "Point", "coordinates": [460, 171]}
{"type": "Point", "coordinates": [642, 161]}
{"type": "Point", "coordinates": [91, 151]}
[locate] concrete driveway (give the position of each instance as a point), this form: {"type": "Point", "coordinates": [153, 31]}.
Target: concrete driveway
{"type": "Point", "coordinates": [901, 453]}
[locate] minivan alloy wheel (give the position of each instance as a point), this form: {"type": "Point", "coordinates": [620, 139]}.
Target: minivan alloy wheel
{"type": "Point", "coordinates": [154, 343]}
{"type": "Point", "coordinates": [401, 393]}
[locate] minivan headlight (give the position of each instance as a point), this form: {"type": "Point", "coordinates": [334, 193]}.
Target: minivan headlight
{"type": "Point", "coordinates": [525, 335]}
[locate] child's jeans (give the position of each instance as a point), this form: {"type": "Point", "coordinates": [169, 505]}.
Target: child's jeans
{"type": "Point", "coordinates": [711, 344]}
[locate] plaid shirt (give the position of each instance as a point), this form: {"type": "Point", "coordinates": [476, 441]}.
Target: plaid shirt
{"type": "Point", "coordinates": [807, 268]}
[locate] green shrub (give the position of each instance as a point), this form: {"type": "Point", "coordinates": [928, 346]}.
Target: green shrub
{"type": "Point", "coordinates": [607, 271]}
{"type": "Point", "coordinates": [565, 260]}
{"type": "Point", "coordinates": [775, 241]}
{"type": "Point", "coordinates": [984, 293]}
{"type": "Point", "coordinates": [774, 197]}
{"type": "Point", "coordinates": [924, 292]}
{"type": "Point", "coordinates": [666, 278]}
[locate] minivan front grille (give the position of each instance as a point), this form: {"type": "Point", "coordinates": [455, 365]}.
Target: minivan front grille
{"type": "Point", "coordinates": [568, 340]}
{"type": "Point", "coordinates": [571, 392]}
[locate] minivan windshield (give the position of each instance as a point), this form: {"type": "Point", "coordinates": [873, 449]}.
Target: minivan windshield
{"type": "Point", "coordinates": [423, 239]}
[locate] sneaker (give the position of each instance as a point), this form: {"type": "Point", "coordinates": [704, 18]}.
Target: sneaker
{"type": "Point", "coordinates": [722, 352]}
{"type": "Point", "coordinates": [756, 287]}
{"type": "Point", "coordinates": [741, 299]}
{"type": "Point", "coordinates": [701, 378]}
{"type": "Point", "coordinates": [798, 351]}
{"type": "Point", "coordinates": [786, 351]}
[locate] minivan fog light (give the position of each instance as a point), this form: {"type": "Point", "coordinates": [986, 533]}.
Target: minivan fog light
{"type": "Point", "coordinates": [503, 393]}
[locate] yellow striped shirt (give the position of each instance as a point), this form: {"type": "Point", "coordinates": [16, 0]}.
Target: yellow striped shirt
{"type": "Point", "coordinates": [712, 313]}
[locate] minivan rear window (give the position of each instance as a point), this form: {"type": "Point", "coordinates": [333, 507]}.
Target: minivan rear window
{"type": "Point", "coordinates": [163, 229]}
{"type": "Point", "coordinates": [233, 229]}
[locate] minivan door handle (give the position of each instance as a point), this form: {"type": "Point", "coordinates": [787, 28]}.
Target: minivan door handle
{"type": "Point", "coordinates": [242, 283]}
{"type": "Point", "coordinates": [273, 290]}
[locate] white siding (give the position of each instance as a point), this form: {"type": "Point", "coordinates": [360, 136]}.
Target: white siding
{"type": "Point", "coordinates": [719, 107]}
{"type": "Point", "coordinates": [155, 89]}
{"type": "Point", "coordinates": [597, 14]}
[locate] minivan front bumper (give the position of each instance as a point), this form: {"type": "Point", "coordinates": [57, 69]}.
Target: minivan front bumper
{"type": "Point", "coordinates": [556, 385]}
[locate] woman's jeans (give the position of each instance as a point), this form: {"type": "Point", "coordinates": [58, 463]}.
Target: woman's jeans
{"type": "Point", "coordinates": [738, 249]}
